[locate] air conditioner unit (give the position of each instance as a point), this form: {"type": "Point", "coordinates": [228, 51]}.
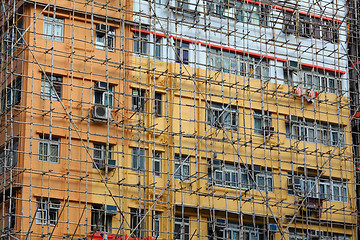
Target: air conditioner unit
{"type": "Point", "coordinates": [101, 85]}
{"type": "Point", "coordinates": [54, 205]}
{"type": "Point", "coordinates": [100, 112]}
{"type": "Point", "coordinates": [100, 163]}
{"type": "Point", "coordinates": [273, 227]}
{"type": "Point", "coordinates": [220, 221]}
{"type": "Point", "coordinates": [319, 233]}
{"type": "Point", "coordinates": [292, 118]}
{"type": "Point", "coordinates": [268, 131]}
{"type": "Point", "coordinates": [111, 164]}
{"type": "Point", "coordinates": [102, 27]}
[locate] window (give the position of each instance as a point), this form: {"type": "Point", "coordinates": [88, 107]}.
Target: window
{"type": "Point", "coordinates": [315, 132]}
{"type": "Point", "coordinates": [157, 164]}
{"type": "Point", "coordinates": [140, 41]}
{"type": "Point", "coordinates": [12, 215]}
{"type": "Point", "coordinates": [157, 47]}
{"type": "Point", "coordinates": [102, 156]}
{"type": "Point", "coordinates": [138, 100]}
{"type": "Point", "coordinates": [307, 26]}
{"type": "Point", "coordinates": [49, 149]}
{"type": "Point", "coordinates": [222, 8]}
{"type": "Point", "coordinates": [105, 37]}
{"type": "Point", "coordinates": [228, 62]}
{"type": "Point", "coordinates": [182, 52]}
{"type": "Point", "coordinates": [138, 157]}
{"type": "Point", "coordinates": [235, 175]}
{"type": "Point", "coordinates": [233, 231]}
{"type": "Point", "coordinates": [20, 31]}
{"type": "Point", "coordinates": [157, 104]}
{"type": "Point", "coordinates": [222, 61]}
{"type": "Point", "coordinates": [323, 188]}
{"type": "Point", "coordinates": [182, 167]}
{"type": "Point", "coordinates": [307, 234]}
{"type": "Point", "coordinates": [137, 216]}
{"type": "Point", "coordinates": [182, 3]}
{"type": "Point", "coordinates": [11, 95]}
{"type": "Point", "coordinates": [101, 218]}
{"type": "Point", "coordinates": [222, 116]}
{"type": "Point", "coordinates": [53, 28]}
{"type": "Point", "coordinates": [103, 93]}
{"type": "Point", "coordinates": [182, 228]}
{"type": "Point", "coordinates": [253, 14]}
{"type": "Point", "coordinates": [319, 81]}
{"type": "Point", "coordinates": [264, 181]}
{"type": "Point", "coordinates": [9, 155]}
{"type": "Point", "coordinates": [261, 122]}
{"type": "Point", "coordinates": [47, 211]}
{"type": "Point", "coordinates": [156, 224]}
{"type": "Point", "coordinates": [48, 92]}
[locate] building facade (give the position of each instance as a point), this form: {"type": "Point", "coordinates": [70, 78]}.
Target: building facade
{"type": "Point", "coordinates": [177, 120]}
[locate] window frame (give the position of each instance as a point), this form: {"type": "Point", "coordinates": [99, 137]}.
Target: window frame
{"type": "Point", "coordinates": [138, 164]}
{"type": "Point", "coordinates": [221, 112]}
{"type": "Point", "coordinates": [50, 23]}
{"type": "Point", "coordinates": [322, 188]}
{"type": "Point", "coordinates": [105, 39]}
{"type": "Point", "coordinates": [47, 91]}
{"type": "Point", "coordinates": [323, 133]}
{"type": "Point", "coordinates": [157, 162]}
{"type": "Point", "coordinates": [11, 96]}
{"type": "Point", "coordinates": [104, 150]}
{"type": "Point", "coordinates": [158, 50]}
{"type": "Point", "coordinates": [263, 119]}
{"type": "Point", "coordinates": [47, 209]}
{"type": "Point", "coordinates": [104, 97]}
{"type": "Point", "coordinates": [141, 41]}
{"type": "Point", "coordinates": [158, 104]}
{"type": "Point", "coordinates": [156, 221]}
{"type": "Point", "coordinates": [182, 52]}
{"type": "Point", "coordinates": [98, 212]}
{"type": "Point", "coordinates": [135, 217]}
{"type": "Point", "coordinates": [138, 101]}
{"type": "Point", "coordinates": [252, 13]}
{"type": "Point", "coordinates": [182, 223]}
{"type": "Point", "coordinates": [53, 142]}
{"type": "Point", "coordinates": [182, 162]}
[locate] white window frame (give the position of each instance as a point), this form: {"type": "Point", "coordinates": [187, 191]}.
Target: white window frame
{"type": "Point", "coordinates": [322, 133]}
{"type": "Point", "coordinates": [141, 42]}
{"type": "Point", "coordinates": [182, 162]}
{"type": "Point", "coordinates": [140, 156]}
{"type": "Point", "coordinates": [322, 188]}
{"type": "Point", "coordinates": [48, 92]}
{"type": "Point", "coordinates": [105, 219]}
{"type": "Point", "coordinates": [268, 177]}
{"type": "Point", "coordinates": [107, 96]}
{"type": "Point", "coordinates": [103, 150]}
{"type": "Point", "coordinates": [105, 39]}
{"type": "Point", "coordinates": [53, 28]}
{"type": "Point", "coordinates": [45, 141]}
{"type": "Point", "coordinates": [183, 223]}
{"type": "Point", "coordinates": [263, 119]}
{"type": "Point", "coordinates": [156, 224]}
{"type": "Point", "coordinates": [45, 210]}
{"type": "Point", "coordinates": [157, 160]}
{"type": "Point", "coordinates": [158, 47]}
{"type": "Point", "coordinates": [222, 112]}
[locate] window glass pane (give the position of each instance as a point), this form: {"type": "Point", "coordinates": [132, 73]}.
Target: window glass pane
{"type": "Point", "coordinates": [54, 153]}
{"type": "Point", "coordinates": [43, 151]}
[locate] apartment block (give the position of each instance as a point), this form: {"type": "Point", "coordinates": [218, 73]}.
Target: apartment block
{"type": "Point", "coordinates": [179, 119]}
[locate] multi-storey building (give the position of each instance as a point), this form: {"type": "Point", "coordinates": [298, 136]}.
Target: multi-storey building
{"type": "Point", "coordinates": [176, 120]}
